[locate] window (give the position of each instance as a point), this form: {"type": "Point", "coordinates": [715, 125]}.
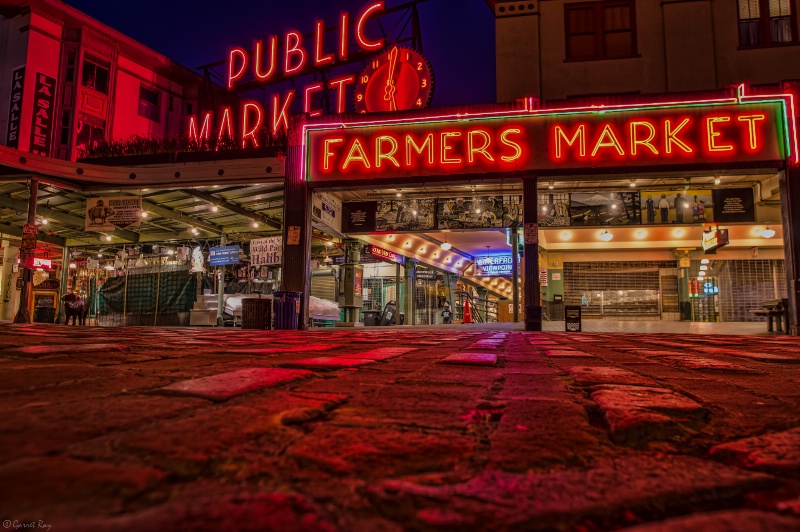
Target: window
{"type": "Point", "coordinates": [95, 73]}
{"type": "Point", "coordinates": [149, 103]}
{"type": "Point", "coordinates": [90, 131]}
{"type": "Point", "coordinates": [766, 23]}
{"type": "Point", "coordinates": [600, 30]}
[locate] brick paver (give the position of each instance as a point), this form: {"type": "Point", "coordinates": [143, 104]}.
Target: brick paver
{"type": "Point", "coordinates": [397, 428]}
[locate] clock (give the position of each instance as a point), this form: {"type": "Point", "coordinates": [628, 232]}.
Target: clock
{"type": "Point", "coordinates": [397, 80]}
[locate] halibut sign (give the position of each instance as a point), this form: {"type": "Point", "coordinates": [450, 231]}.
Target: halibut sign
{"type": "Point", "coordinates": [588, 138]}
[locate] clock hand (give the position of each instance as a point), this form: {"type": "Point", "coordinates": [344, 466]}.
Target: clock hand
{"type": "Point", "coordinates": [391, 89]}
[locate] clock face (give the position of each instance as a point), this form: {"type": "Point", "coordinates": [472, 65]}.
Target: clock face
{"type": "Point", "coordinates": [398, 80]}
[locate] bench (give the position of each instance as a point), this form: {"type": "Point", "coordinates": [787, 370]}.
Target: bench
{"type": "Point", "coordinates": [772, 309]}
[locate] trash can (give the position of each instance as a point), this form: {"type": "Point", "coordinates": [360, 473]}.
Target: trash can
{"type": "Point", "coordinates": [256, 313]}
{"type": "Point", "coordinates": [371, 317]}
{"type": "Point", "coordinates": [286, 306]}
{"type": "Point", "coordinates": [572, 318]}
{"type": "Point", "coordinates": [389, 316]}
{"type": "Point", "coordinates": [44, 315]}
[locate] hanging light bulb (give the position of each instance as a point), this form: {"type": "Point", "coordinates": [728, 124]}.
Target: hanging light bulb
{"type": "Point", "coordinates": [44, 221]}
{"type": "Point", "coordinates": [214, 208]}
{"type": "Point", "coordinates": [194, 231]}
{"type": "Point", "coordinates": [704, 261]}
{"type": "Point", "coordinates": [551, 186]}
{"type": "Point", "coordinates": [255, 225]}
{"type": "Point", "coordinates": [767, 233]}
{"type": "Point", "coordinates": [606, 236]}
{"type": "Point", "coordinates": [446, 245]}
{"type": "Point", "coordinates": [399, 193]}
{"type": "Point", "coordinates": [632, 183]}
{"type": "Point", "coordinates": [703, 268]}
{"type": "Point", "coordinates": [144, 214]}
{"type": "Point", "coordinates": [72, 265]}
{"type": "Point", "coordinates": [717, 181]}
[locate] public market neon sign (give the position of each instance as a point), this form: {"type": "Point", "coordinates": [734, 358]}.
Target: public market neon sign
{"type": "Point", "coordinates": [283, 58]}
{"type": "Point", "coordinates": [733, 130]}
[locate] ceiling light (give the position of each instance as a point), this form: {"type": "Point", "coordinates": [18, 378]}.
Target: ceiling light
{"type": "Point", "coordinates": [170, 252]}
{"type": "Point", "coordinates": [566, 235]}
{"type": "Point", "coordinates": [255, 225]}
{"type": "Point", "coordinates": [606, 236]}
{"type": "Point", "coordinates": [329, 243]}
{"type": "Point", "coordinates": [108, 238]}
{"type": "Point", "coordinates": [767, 233]}
{"type": "Point", "coordinates": [72, 265]}
{"type": "Point", "coordinates": [44, 221]}
{"type": "Point", "coordinates": [214, 208]}
{"type": "Point", "coordinates": [641, 233]}
{"type": "Point", "coordinates": [459, 263]}
{"type": "Point", "coordinates": [621, 293]}
{"type": "Point", "coordinates": [551, 186]}
{"type": "Point", "coordinates": [99, 255]}
{"type": "Point", "coordinates": [407, 244]}
{"type": "Point", "coordinates": [544, 208]}
{"type": "Point", "coordinates": [678, 232]}
{"type": "Point", "coordinates": [145, 189]}
{"type": "Point", "coordinates": [703, 268]}
{"type": "Point", "coordinates": [436, 254]}
{"type": "Point", "coordinates": [632, 183]}
{"type": "Point", "coordinates": [391, 238]}
{"type": "Point", "coordinates": [704, 261]}
{"type": "Point", "coordinates": [109, 267]}
{"type": "Point", "coordinates": [399, 193]}
{"type": "Point", "coordinates": [446, 245]}
{"type": "Point", "coordinates": [144, 214]}
{"type": "Point", "coordinates": [477, 211]}
{"type": "Point", "coordinates": [194, 231]}
{"type": "Point", "coordinates": [422, 249]}
{"type": "Point", "coordinates": [447, 259]}
{"type": "Point", "coordinates": [414, 213]}
{"type": "Point", "coordinates": [717, 181]}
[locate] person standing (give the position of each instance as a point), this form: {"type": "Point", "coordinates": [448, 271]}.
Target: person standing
{"type": "Point", "coordinates": [663, 206]}
{"type": "Point", "coordinates": [679, 209]}
{"type": "Point", "coordinates": [695, 210]}
{"type": "Point", "coordinates": [650, 205]}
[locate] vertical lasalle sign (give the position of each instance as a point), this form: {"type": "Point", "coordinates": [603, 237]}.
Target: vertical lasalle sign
{"type": "Point", "coordinates": [282, 59]}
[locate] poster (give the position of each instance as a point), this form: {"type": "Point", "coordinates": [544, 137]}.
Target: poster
{"type": "Point", "coordinates": [359, 216]}
{"type": "Point", "coordinates": [43, 109]}
{"type": "Point", "coordinates": [606, 208]}
{"type": "Point", "coordinates": [734, 205]}
{"type": "Point", "coordinates": [405, 215]}
{"type": "Point", "coordinates": [223, 255]}
{"type": "Point", "coordinates": [677, 207]}
{"type": "Point", "coordinates": [15, 107]}
{"type": "Point", "coordinates": [478, 212]}
{"type": "Point", "coordinates": [326, 209]}
{"type": "Point", "coordinates": [107, 214]}
{"type": "Point", "coordinates": [266, 251]}
{"type": "Point", "coordinates": [553, 210]}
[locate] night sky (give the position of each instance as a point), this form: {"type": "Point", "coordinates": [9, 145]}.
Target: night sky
{"type": "Point", "coordinates": [458, 35]}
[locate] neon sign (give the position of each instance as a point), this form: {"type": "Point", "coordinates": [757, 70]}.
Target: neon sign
{"type": "Point", "coordinates": [493, 266]}
{"type": "Point", "coordinates": [732, 131]}
{"type": "Point", "coordinates": [385, 254]}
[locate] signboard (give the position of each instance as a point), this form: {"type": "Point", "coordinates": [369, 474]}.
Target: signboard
{"type": "Point", "coordinates": [15, 107]}
{"type": "Point", "coordinates": [47, 284]}
{"type": "Point", "coordinates": [543, 277]}
{"type": "Point", "coordinates": [29, 233]}
{"type": "Point", "coordinates": [327, 209]}
{"type": "Point", "coordinates": [359, 217]}
{"type": "Point", "coordinates": [39, 262]}
{"type": "Point", "coordinates": [734, 205]}
{"type": "Point", "coordinates": [479, 212]}
{"type": "Point", "coordinates": [43, 114]}
{"type": "Point", "coordinates": [293, 235]}
{"type": "Point", "coordinates": [713, 240]}
{"type": "Point", "coordinates": [109, 213]}
{"type": "Point", "coordinates": [223, 255]}
{"type": "Point", "coordinates": [425, 275]}
{"type": "Point", "coordinates": [266, 251]}
{"type": "Point", "coordinates": [493, 266]}
{"type": "Point", "coordinates": [387, 255]}
{"type": "Point", "coordinates": [614, 208]}
{"type": "Point", "coordinates": [575, 138]}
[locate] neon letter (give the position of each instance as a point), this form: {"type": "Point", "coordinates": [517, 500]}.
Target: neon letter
{"type": "Point", "coordinates": [328, 153]}
{"type": "Point", "coordinates": [294, 47]}
{"type": "Point", "coordinates": [713, 134]}
{"type": "Point", "coordinates": [612, 141]}
{"type": "Point", "coordinates": [751, 120]}
{"type": "Point", "coordinates": [250, 132]}
{"type": "Point", "coordinates": [205, 131]}
{"type": "Point", "coordinates": [319, 46]}
{"type": "Point", "coordinates": [446, 148]}
{"type": "Point", "coordinates": [310, 89]}
{"type": "Point", "coordinates": [344, 32]}
{"type": "Point", "coordinates": [232, 66]}
{"type": "Point", "coordinates": [427, 144]}
{"type": "Point", "coordinates": [517, 148]}
{"type": "Point", "coordinates": [360, 37]}
{"type": "Point", "coordinates": [280, 114]}
{"type": "Point", "coordinates": [646, 142]}
{"type": "Point", "coordinates": [380, 155]}
{"type": "Point", "coordinates": [672, 136]}
{"type": "Point", "coordinates": [273, 58]}
{"type": "Point", "coordinates": [225, 124]}
{"type": "Point", "coordinates": [579, 136]}
{"type": "Point", "coordinates": [357, 153]}
{"type": "Point", "coordinates": [341, 94]}
{"type": "Point", "coordinates": [472, 150]}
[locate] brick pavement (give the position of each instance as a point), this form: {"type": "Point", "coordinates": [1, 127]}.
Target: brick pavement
{"type": "Point", "coordinates": [397, 429]}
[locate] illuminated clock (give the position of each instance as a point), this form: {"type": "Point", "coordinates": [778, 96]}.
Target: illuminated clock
{"type": "Point", "coordinates": [398, 80]}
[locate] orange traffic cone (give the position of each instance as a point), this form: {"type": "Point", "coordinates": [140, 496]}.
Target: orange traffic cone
{"type": "Point", "coordinates": [467, 312]}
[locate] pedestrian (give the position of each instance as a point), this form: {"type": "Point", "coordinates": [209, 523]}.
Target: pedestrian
{"type": "Point", "coordinates": [701, 211]}
{"type": "Point", "coordinates": [679, 208]}
{"type": "Point", "coordinates": [447, 314]}
{"type": "Point", "coordinates": [650, 205]}
{"type": "Point", "coordinates": [663, 206]}
{"type": "Point", "coordinates": [695, 210]}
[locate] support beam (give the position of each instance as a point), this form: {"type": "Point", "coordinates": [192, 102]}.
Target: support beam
{"type": "Point", "coordinates": [41, 237]}
{"type": "Point", "coordinates": [233, 207]}
{"type": "Point", "coordinates": [533, 294]}
{"type": "Point", "coordinates": [180, 217]}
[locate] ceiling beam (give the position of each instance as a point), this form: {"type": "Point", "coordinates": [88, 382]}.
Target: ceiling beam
{"type": "Point", "coordinates": [180, 217]}
{"type": "Point", "coordinates": [234, 207]}
{"type": "Point", "coordinates": [41, 237]}
{"type": "Point", "coordinates": [63, 217]}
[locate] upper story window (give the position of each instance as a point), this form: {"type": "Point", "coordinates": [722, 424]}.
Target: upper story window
{"type": "Point", "coordinates": [96, 73]}
{"type": "Point", "coordinates": [766, 23]}
{"type": "Point", "coordinates": [150, 103]}
{"type": "Point", "coordinates": [600, 30]}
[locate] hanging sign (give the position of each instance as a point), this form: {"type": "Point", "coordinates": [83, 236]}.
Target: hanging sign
{"type": "Point", "coordinates": [734, 205]}
{"type": "Point", "coordinates": [493, 266]}
{"type": "Point", "coordinates": [107, 214]}
{"type": "Point", "coordinates": [385, 254]}
{"type": "Point", "coordinates": [266, 251]}
{"type": "Point", "coordinates": [43, 113]}
{"type": "Point", "coordinates": [29, 233]}
{"type": "Point", "coordinates": [326, 209]}
{"type": "Point", "coordinates": [15, 107]}
{"type": "Point", "coordinates": [223, 255]}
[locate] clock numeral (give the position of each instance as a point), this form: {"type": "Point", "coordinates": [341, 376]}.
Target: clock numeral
{"type": "Point", "coordinates": [419, 66]}
{"type": "Point", "coordinates": [375, 64]}
{"type": "Point", "coordinates": [359, 97]}
{"type": "Point", "coordinates": [424, 83]}
{"type": "Point", "coordinates": [364, 79]}
{"type": "Point", "coordinates": [419, 102]}
{"type": "Point", "coordinates": [408, 56]}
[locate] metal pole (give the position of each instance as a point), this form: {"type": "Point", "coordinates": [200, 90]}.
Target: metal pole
{"type": "Point", "coordinates": [62, 314]}
{"type": "Point", "coordinates": [220, 290]}
{"type": "Point", "coordinates": [125, 297]}
{"type": "Point", "coordinates": [515, 271]}
{"type": "Point", "coordinates": [397, 293]}
{"type": "Point", "coordinates": [23, 314]}
{"type": "Point", "coordinates": [158, 293]}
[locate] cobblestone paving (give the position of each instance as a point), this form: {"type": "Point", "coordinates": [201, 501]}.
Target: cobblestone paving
{"type": "Point", "coordinates": [397, 429]}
